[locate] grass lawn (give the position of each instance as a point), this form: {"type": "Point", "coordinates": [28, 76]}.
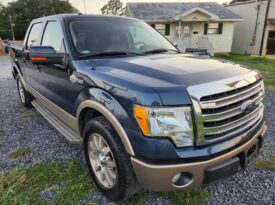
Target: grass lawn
{"type": "Point", "coordinates": [70, 184]}
{"type": "Point", "coordinates": [265, 65]}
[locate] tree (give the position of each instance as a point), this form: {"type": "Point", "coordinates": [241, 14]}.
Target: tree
{"type": "Point", "coordinates": [24, 11]}
{"type": "Point", "coordinates": [114, 7]}
{"type": "Point", "coordinates": [5, 32]}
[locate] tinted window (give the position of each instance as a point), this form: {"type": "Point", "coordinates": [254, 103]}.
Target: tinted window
{"type": "Point", "coordinates": [34, 35]}
{"type": "Point", "coordinates": [53, 36]}
{"type": "Point", "coordinates": [104, 35]}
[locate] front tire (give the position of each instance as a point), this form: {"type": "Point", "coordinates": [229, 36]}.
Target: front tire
{"type": "Point", "coordinates": [24, 95]}
{"type": "Point", "coordinates": [107, 160]}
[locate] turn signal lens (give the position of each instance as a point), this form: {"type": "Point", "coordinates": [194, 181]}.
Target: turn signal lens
{"type": "Point", "coordinates": [141, 115]}
{"type": "Point", "coordinates": [38, 58]}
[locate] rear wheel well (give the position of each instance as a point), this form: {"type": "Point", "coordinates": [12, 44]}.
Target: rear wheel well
{"type": "Point", "coordinates": [86, 115]}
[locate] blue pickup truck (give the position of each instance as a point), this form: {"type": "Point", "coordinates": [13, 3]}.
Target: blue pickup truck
{"type": "Point", "coordinates": [147, 115]}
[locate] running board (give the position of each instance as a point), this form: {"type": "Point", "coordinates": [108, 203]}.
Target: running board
{"type": "Point", "coordinates": [64, 129]}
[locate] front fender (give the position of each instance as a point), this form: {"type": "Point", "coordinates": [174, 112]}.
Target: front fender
{"type": "Point", "coordinates": [109, 107]}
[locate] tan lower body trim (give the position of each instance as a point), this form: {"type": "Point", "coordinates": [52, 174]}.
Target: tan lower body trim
{"type": "Point", "coordinates": [159, 177]}
{"type": "Point", "coordinates": [60, 113]}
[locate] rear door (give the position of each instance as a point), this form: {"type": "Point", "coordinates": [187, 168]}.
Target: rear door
{"type": "Point", "coordinates": [54, 79]}
{"type": "Point", "coordinates": [33, 39]}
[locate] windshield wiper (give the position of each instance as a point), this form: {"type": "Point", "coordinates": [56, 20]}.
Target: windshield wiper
{"type": "Point", "coordinates": [160, 50]}
{"type": "Point", "coordinates": [109, 53]}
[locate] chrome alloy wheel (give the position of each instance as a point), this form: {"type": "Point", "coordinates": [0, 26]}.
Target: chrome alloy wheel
{"type": "Point", "coordinates": [21, 91]}
{"type": "Point", "coordinates": [102, 161]}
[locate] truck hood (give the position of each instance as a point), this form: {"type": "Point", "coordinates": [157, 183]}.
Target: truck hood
{"type": "Point", "coordinates": [169, 74]}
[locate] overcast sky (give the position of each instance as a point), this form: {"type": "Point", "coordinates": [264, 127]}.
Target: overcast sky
{"type": "Point", "coordinates": [94, 6]}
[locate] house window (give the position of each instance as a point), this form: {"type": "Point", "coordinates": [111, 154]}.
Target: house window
{"type": "Point", "coordinates": [164, 29]}
{"type": "Point", "coordinates": [213, 28]}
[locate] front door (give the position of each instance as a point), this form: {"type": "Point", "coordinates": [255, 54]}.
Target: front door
{"type": "Point", "coordinates": [187, 34]}
{"type": "Point", "coordinates": [32, 71]}
{"type": "Point", "coordinates": [271, 43]}
{"type": "Point", "coordinates": [55, 84]}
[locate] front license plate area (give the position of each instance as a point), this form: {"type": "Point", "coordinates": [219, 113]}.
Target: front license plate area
{"type": "Point", "coordinates": [249, 154]}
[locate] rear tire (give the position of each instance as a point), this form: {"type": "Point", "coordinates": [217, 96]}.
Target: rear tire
{"type": "Point", "coordinates": [98, 132]}
{"type": "Point", "coordinates": [25, 96]}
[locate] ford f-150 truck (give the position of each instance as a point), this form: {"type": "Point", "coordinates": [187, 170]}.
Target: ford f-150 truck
{"type": "Point", "coordinates": [147, 115]}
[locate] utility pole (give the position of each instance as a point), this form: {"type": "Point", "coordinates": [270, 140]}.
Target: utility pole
{"type": "Point", "coordinates": [84, 6]}
{"type": "Point", "coordinates": [265, 23]}
{"type": "Point", "coordinates": [11, 25]}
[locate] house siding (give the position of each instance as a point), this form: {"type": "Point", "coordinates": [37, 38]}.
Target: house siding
{"type": "Point", "coordinates": [222, 43]}
{"type": "Point", "coordinates": [244, 30]}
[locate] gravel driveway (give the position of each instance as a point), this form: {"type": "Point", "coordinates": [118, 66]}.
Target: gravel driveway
{"type": "Point", "coordinates": [22, 128]}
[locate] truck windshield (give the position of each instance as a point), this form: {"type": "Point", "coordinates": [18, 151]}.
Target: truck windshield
{"type": "Point", "coordinates": [116, 36]}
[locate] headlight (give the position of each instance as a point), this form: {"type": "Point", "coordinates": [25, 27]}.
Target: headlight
{"type": "Point", "coordinates": [175, 123]}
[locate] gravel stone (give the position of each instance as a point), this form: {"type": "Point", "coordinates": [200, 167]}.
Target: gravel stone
{"type": "Point", "coordinates": [251, 186]}
{"type": "Point", "coordinates": [51, 193]}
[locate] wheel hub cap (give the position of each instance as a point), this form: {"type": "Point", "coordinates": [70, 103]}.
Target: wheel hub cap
{"type": "Point", "coordinates": [102, 161]}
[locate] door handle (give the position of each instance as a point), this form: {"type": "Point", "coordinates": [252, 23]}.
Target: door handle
{"type": "Point", "coordinates": [74, 79]}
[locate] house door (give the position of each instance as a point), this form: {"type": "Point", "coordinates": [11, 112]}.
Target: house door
{"type": "Point", "coordinates": [187, 35]}
{"type": "Point", "coordinates": [271, 43]}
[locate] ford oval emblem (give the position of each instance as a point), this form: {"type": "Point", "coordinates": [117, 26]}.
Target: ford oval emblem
{"type": "Point", "coordinates": [248, 106]}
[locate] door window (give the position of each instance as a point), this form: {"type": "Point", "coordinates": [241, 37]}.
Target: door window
{"type": "Point", "coordinates": [53, 36]}
{"type": "Point", "coordinates": [34, 35]}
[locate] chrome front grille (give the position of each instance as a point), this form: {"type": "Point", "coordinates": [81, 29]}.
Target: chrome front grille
{"type": "Point", "coordinates": [227, 108]}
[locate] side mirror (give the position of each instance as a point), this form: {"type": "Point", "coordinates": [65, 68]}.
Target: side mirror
{"type": "Point", "coordinates": [45, 55]}
{"type": "Point", "coordinates": [175, 44]}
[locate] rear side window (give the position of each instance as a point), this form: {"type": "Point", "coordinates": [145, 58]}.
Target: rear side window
{"type": "Point", "coordinates": [53, 36]}
{"type": "Point", "coordinates": [34, 35]}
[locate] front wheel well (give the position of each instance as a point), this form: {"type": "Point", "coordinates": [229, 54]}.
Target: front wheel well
{"type": "Point", "coordinates": [85, 115]}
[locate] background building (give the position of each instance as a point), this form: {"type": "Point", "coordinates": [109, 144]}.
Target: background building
{"type": "Point", "coordinates": [251, 35]}
{"type": "Point", "coordinates": [191, 25]}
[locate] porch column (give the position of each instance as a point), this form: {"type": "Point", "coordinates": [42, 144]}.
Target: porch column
{"type": "Point", "coordinates": [179, 29]}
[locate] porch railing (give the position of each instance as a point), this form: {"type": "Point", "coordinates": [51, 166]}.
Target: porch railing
{"type": "Point", "coordinates": [204, 43]}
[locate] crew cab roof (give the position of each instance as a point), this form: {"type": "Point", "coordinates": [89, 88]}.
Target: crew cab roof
{"type": "Point", "coordinates": [79, 16]}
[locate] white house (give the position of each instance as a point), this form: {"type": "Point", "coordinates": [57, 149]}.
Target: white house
{"type": "Point", "coordinates": [256, 33]}
{"type": "Point", "coordinates": [191, 25]}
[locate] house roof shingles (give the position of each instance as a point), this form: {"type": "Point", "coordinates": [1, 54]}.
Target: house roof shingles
{"type": "Point", "coordinates": [166, 11]}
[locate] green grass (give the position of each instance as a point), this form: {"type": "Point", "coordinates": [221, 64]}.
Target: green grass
{"type": "Point", "coordinates": [264, 147]}
{"type": "Point", "coordinates": [20, 152]}
{"type": "Point", "coordinates": [265, 164]}
{"type": "Point", "coordinates": [26, 113]}
{"type": "Point", "coordinates": [2, 132]}
{"type": "Point", "coordinates": [2, 144]}
{"type": "Point", "coordinates": [25, 185]}
{"type": "Point", "coordinates": [21, 138]}
{"type": "Point", "coordinates": [265, 65]}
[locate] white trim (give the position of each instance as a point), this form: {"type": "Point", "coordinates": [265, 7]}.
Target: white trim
{"type": "Point", "coordinates": [179, 16]}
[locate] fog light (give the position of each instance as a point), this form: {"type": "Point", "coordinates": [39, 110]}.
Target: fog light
{"type": "Point", "coordinates": [182, 179]}
{"type": "Point", "coordinates": [176, 178]}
